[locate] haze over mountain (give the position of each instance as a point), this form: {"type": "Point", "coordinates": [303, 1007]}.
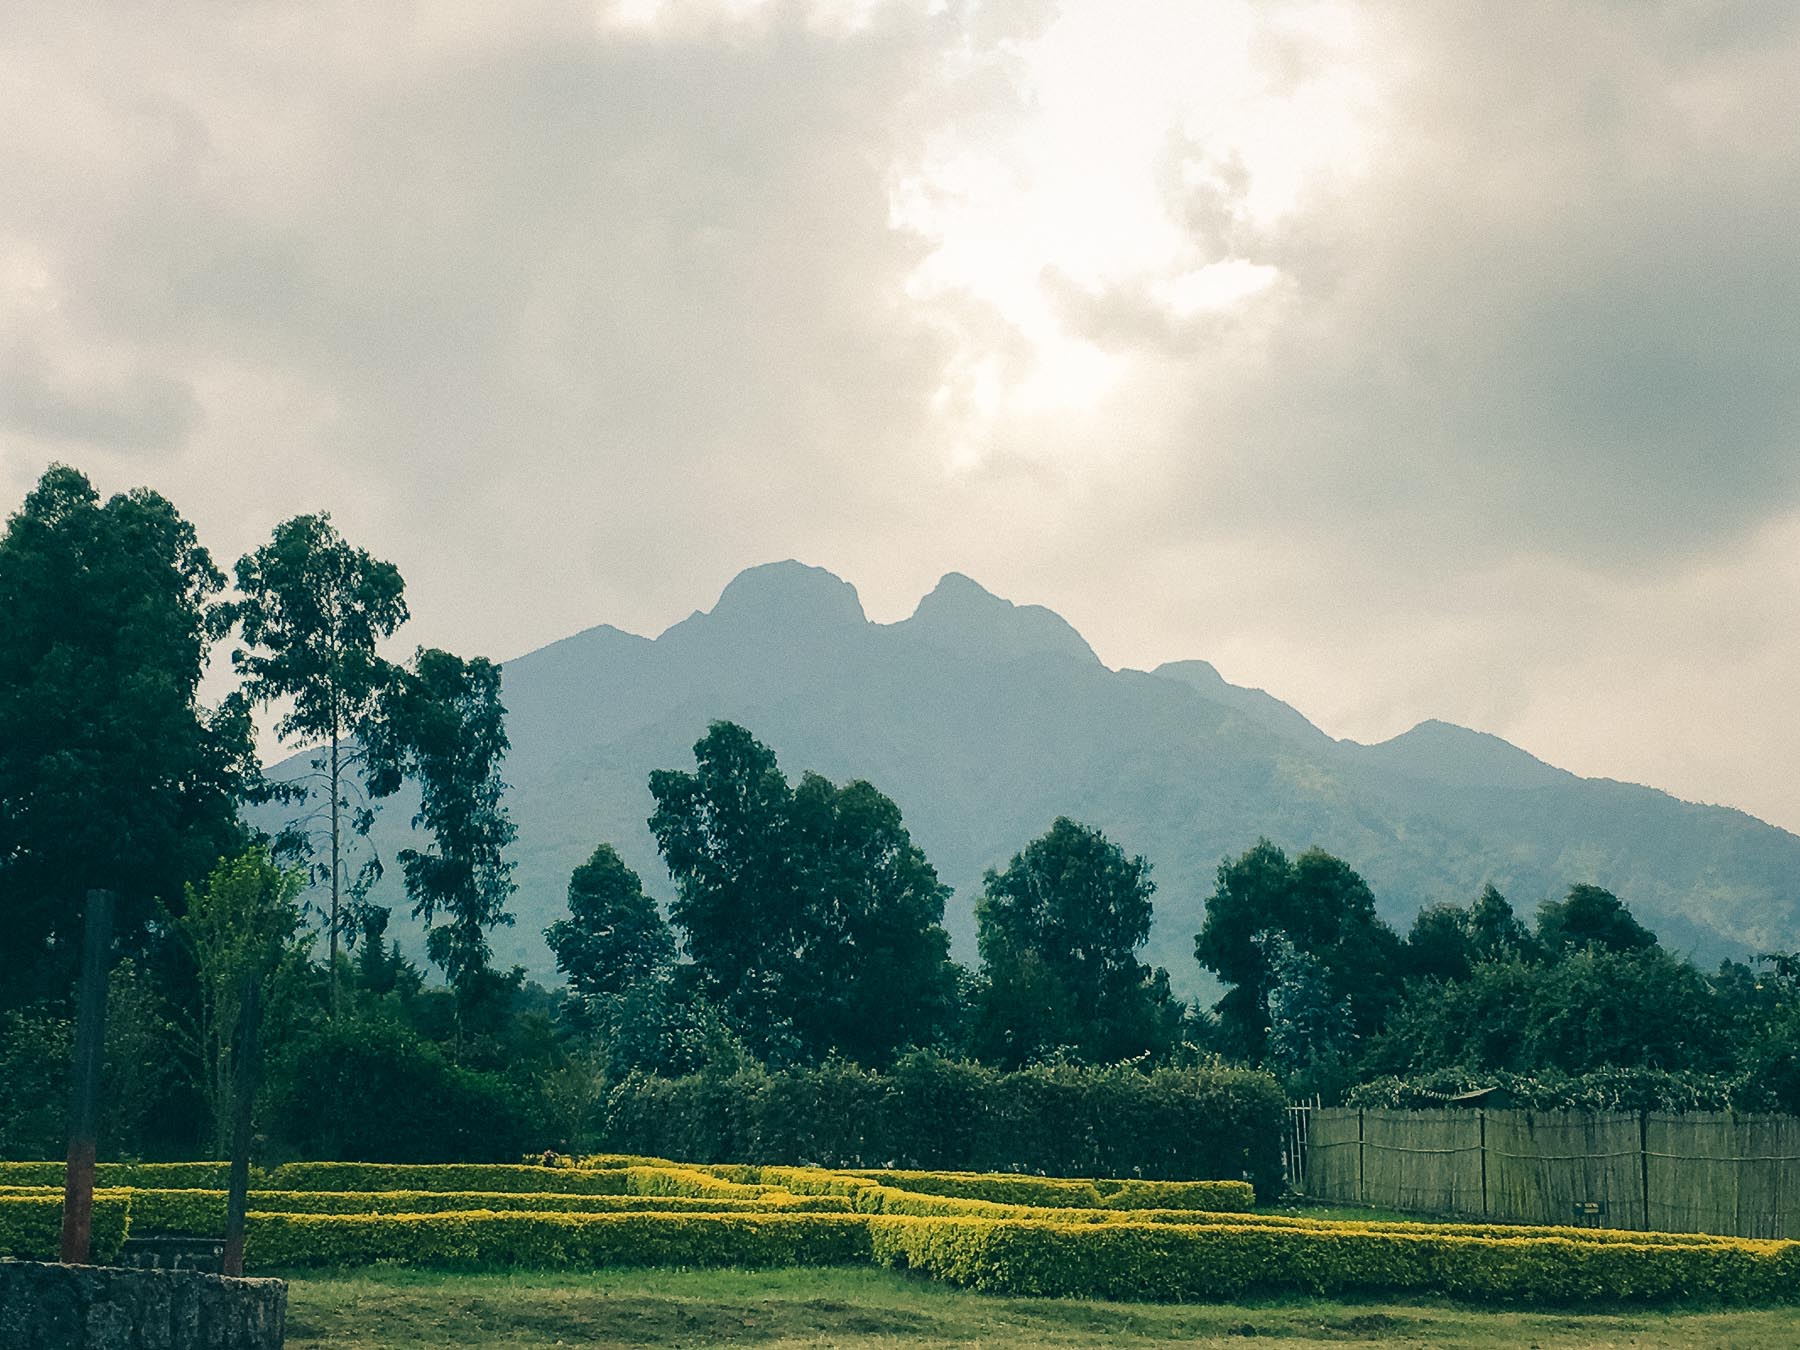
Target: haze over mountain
{"type": "Point", "coordinates": [985, 720]}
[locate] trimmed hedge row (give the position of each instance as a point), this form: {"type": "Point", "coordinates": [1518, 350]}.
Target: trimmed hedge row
{"type": "Point", "coordinates": [542, 1241]}
{"type": "Point", "coordinates": [202, 1213]}
{"type": "Point", "coordinates": [1004, 1190]}
{"type": "Point", "coordinates": [932, 1113]}
{"type": "Point", "coordinates": [508, 1177]}
{"type": "Point", "coordinates": [200, 1175]}
{"type": "Point", "coordinates": [1170, 1262]}
{"type": "Point", "coordinates": [667, 1179]}
{"type": "Point", "coordinates": [31, 1226]}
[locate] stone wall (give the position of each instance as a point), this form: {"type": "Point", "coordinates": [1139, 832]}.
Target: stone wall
{"type": "Point", "coordinates": [55, 1307]}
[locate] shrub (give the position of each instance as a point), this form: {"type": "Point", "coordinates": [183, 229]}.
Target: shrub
{"type": "Point", "coordinates": [1175, 1262]}
{"type": "Point", "coordinates": [537, 1241]}
{"type": "Point", "coordinates": [202, 1213]}
{"type": "Point", "coordinates": [373, 1091]}
{"type": "Point", "coordinates": [204, 1175]}
{"type": "Point", "coordinates": [929, 1113]}
{"type": "Point", "coordinates": [359, 1176]}
{"type": "Point", "coordinates": [31, 1226]}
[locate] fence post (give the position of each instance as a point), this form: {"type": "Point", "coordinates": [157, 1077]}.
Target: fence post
{"type": "Point", "coordinates": [1644, 1160]}
{"type": "Point", "coordinates": [1360, 1192]}
{"type": "Point", "coordinates": [1481, 1124]}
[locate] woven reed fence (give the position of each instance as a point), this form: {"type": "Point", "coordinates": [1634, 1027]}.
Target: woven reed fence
{"type": "Point", "coordinates": [1707, 1173]}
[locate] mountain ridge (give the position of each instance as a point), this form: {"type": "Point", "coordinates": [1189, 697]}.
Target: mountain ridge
{"type": "Point", "coordinates": [984, 720]}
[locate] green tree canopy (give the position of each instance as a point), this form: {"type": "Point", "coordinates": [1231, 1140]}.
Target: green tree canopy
{"type": "Point", "coordinates": [1324, 909]}
{"type": "Point", "coordinates": [811, 917]}
{"type": "Point", "coordinates": [614, 937]}
{"type": "Point", "coordinates": [1059, 929]}
{"type": "Point", "coordinates": [442, 724]}
{"type": "Point", "coordinates": [313, 609]}
{"type": "Point", "coordinates": [1590, 917]}
{"type": "Point", "coordinates": [112, 774]}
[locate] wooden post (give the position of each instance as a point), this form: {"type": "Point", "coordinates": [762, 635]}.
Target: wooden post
{"type": "Point", "coordinates": [1644, 1161]}
{"type": "Point", "coordinates": [243, 1098]}
{"type": "Point", "coordinates": [90, 1056]}
{"type": "Point", "coordinates": [1481, 1122]}
{"type": "Point", "coordinates": [1360, 1191]}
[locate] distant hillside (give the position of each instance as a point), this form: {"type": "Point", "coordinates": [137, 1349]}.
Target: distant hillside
{"type": "Point", "coordinates": [985, 720]}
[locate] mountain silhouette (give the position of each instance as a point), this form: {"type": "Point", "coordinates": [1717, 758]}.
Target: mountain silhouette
{"type": "Point", "coordinates": [985, 720]}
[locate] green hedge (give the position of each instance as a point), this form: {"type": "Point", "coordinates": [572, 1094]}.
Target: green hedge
{"type": "Point", "coordinates": [539, 1241]}
{"type": "Point", "coordinates": [1169, 1262]}
{"type": "Point", "coordinates": [31, 1226]}
{"type": "Point", "coordinates": [944, 1115]}
{"type": "Point", "coordinates": [512, 1177]}
{"type": "Point", "coordinates": [202, 1213]}
{"type": "Point", "coordinates": [201, 1175]}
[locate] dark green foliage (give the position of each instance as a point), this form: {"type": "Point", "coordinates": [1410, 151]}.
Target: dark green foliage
{"type": "Point", "coordinates": [1439, 946]}
{"type": "Point", "coordinates": [371, 1090]}
{"type": "Point", "coordinates": [1594, 1009]}
{"type": "Point", "coordinates": [1590, 917]}
{"type": "Point", "coordinates": [1495, 932]}
{"type": "Point", "coordinates": [1320, 906]}
{"type": "Point", "coordinates": [812, 919]}
{"type": "Point", "coordinates": [112, 775]}
{"type": "Point", "coordinates": [614, 936]}
{"type": "Point", "coordinates": [1551, 1090]}
{"type": "Point", "coordinates": [1059, 930]}
{"type": "Point", "coordinates": [441, 723]}
{"type": "Point", "coordinates": [930, 1113]}
{"type": "Point", "coordinates": [313, 609]}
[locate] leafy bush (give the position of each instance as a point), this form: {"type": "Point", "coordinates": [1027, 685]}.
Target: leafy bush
{"type": "Point", "coordinates": [31, 1226]}
{"type": "Point", "coordinates": [1172, 1262]}
{"type": "Point", "coordinates": [372, 1090]}
{"type": "Point", "coordinates": [539, 1241]}
{"type": "Point", "coordinates": [1601, 1090]}
{"type": "Point", "coordinates": [929, 1113]}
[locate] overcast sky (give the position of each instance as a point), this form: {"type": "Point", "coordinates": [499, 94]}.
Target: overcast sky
{"type": "Point", "coordinates": [1407, 360]}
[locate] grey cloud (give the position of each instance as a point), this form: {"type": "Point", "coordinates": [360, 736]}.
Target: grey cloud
{"type": "Point", "coordinates": [1561, 312]}
{"type": "Point", "coordinates": [137, 410]}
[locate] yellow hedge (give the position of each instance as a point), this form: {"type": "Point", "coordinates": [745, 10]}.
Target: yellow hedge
{"type": "Point", "coordinates": [538, 1241]}
{"type": "Point", "coordinates": [31, 1226]}
{"type": "Point", "coordinates": [1193, 1262]}
{"type": "Point", "coordinates": [205, 1175]}
{"type": "Point", "coordinates": [202, 1213]}
{"type": "Point", "coordinates": [510, 1177]}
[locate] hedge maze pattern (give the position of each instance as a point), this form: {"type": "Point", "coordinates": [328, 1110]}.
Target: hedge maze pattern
{"type": "Point", "coordinates": [1126, 1239]}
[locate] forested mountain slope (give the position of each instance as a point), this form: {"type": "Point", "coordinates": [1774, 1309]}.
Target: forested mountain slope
{"type": "Point", "coordinates": [985, 720]}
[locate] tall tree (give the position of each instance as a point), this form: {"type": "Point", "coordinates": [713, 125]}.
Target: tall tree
{"type": "Point", "coordinates": [239, 926]}
{"type": "Point", "coordinates": [441, 723]}
{"type": "Point", "coordinates": [614, 936]}
{"type": "Point", "coordinates": [1058, 931]}
{"type": "Point", "coordinates": [876, 946]}
{"type": "Point", "coordinates": [313, 609]}
{"type": "Point", "coordinates": [112, 773]}
{"type": "Point", "coordinates": [811, 917]}
{"type": "Point", "coordinates": [1590, 917]}
{"type": "Point", "coordinates": [1324, 909]}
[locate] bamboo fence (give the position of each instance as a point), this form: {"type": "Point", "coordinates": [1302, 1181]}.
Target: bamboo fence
{"type": "Point", "coordinates": [1714, 1173]}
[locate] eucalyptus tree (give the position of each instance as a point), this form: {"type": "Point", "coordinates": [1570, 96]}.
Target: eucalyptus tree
{"type": "Point", "coordinates": [313, 610]}
{"type": "Point", "coordinates": [440, 722]}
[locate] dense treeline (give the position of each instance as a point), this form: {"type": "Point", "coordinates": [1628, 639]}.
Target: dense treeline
{"type": "Point", "coordinates": [790, 998]}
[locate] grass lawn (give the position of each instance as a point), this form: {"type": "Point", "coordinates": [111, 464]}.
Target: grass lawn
{"type": "Point", "coordinates": [774, 1310]}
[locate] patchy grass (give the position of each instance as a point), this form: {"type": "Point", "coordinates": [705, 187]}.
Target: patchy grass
{"type": "Point", "coordinates": [789, 1309]}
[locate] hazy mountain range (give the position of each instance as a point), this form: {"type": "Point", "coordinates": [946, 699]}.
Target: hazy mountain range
{"type": "Point", "coordinates": [985, 720]}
